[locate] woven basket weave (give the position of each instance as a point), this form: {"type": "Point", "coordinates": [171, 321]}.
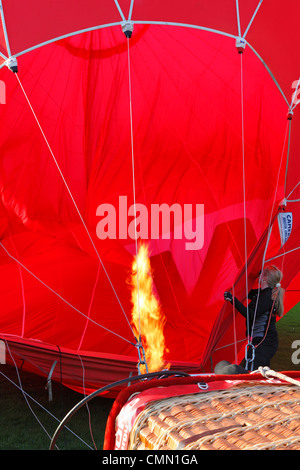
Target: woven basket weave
{"type": "Point", "coordinates": [242, 418]}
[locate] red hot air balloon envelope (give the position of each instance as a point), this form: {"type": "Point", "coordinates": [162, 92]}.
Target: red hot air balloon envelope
{"type": "Point", "coordinates": [184, 136]}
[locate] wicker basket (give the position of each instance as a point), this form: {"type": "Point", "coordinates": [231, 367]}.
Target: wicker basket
{"type": "Point", "coordinates": [251, 416]}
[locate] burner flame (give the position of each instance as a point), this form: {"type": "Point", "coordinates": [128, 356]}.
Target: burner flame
{"type": "Point", "coordinates": [147, 317]}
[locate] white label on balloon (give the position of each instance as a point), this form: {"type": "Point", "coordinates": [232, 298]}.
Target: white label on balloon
{"type": "Point", "coordinates": [285, 223]}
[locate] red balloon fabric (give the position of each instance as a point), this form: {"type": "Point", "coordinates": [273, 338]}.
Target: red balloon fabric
{"type": "Point", "coordinates": [172, 125]}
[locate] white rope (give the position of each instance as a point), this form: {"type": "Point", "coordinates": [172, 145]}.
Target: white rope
{"type": "Point", "coordinates": [252, 19]}
{"type": "Point", "coordinates": [72, 198]}
{"type": "Point", "coordinates": [244, 188]}
{"type": "Point", "coordinates": [294, 96]}
{"type": "Point", "coordinates": [268, 373]}
{"type": "Point", "coordinates": [269, 231]}
{"type": "Point", "coordinates": [133, 182]}
{"type": "Point", "coordinates": [270, 226]}
{"type": "Point", "coordinates": [25, 394]}
{"type": "Point", "coordinates": [90, 309]}
{"type": "Point", "coordinates": [288, 155]}
{"type": "Point", "coordinates": [295, 187]}
{"type": "Point", "coordinates": [139, 345]}
{"type": "Point", "coordinates": [22, 291]}
{"type": "Point", "coordinates": [234, 327]}
{"type": "Point", "coordinates": [238, 17]}
{"type": "Point", "coordinates": [87, 405]}
{"type": "Point", "coordinates": [130, 10]}
{"type": "Point", "coordinates": [59, 296]}
{"type": "Point", "coordinates": [283, 254]}
{"type": "Point", "coordinates": [245, 218]}
{"type": "Point", "coordinates": [120, 10]}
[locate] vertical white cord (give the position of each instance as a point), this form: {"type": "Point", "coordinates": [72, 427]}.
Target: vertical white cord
{"type": "Point", "coordinates": [244, 189]}
{"type": "Point", "coordinates": [133, 182]}
{"type": "Point", "coordinates": [90, 308]}
{"type": "Point", "coordinates": [234, 328]}
{"type": "Point", "coordinates": [238, 17]}
{"type": "Point", "coordinates": [245, 218]}
{"type": "Point", "coordinates": [25, 395]}
{"type": "Point", "coordinates": [87, 405]}
{"type": "Point", "coordinates": [22, 290]}
{"type": "Point", "coordinates": [60, 297]}
{"type": "Point", "coordinates": [72, 198]}
{"type": "Point", "coordinates": [288, 154]}
{"type": "Point", "coordinates": [270, 226]}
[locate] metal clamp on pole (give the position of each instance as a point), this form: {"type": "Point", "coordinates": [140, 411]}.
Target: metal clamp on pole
{"type": "Point", "coordinates": [12, 64]}
{"type": "Point", "coordinates": [127, 28]}
{"type": "Point", "coordinates": [240, 44]}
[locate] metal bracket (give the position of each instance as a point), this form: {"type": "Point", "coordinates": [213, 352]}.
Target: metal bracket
{"type": "Point", "coordinates": [127, 28]}
{"type": "Point", "coordinates": [49, 383]}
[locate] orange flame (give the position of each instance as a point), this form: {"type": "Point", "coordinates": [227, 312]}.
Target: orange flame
{"type": "Point", "coordinates": [147, 316]}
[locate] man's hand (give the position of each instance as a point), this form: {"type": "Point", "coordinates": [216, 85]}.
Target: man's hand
{"type": "Point", "coordinates": [228, 296]}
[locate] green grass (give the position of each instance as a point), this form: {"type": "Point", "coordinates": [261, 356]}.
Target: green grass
{"type": "Point", "coordinates": [288, 331]}
{"type": "Point", "coordinates": [20, 430]}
